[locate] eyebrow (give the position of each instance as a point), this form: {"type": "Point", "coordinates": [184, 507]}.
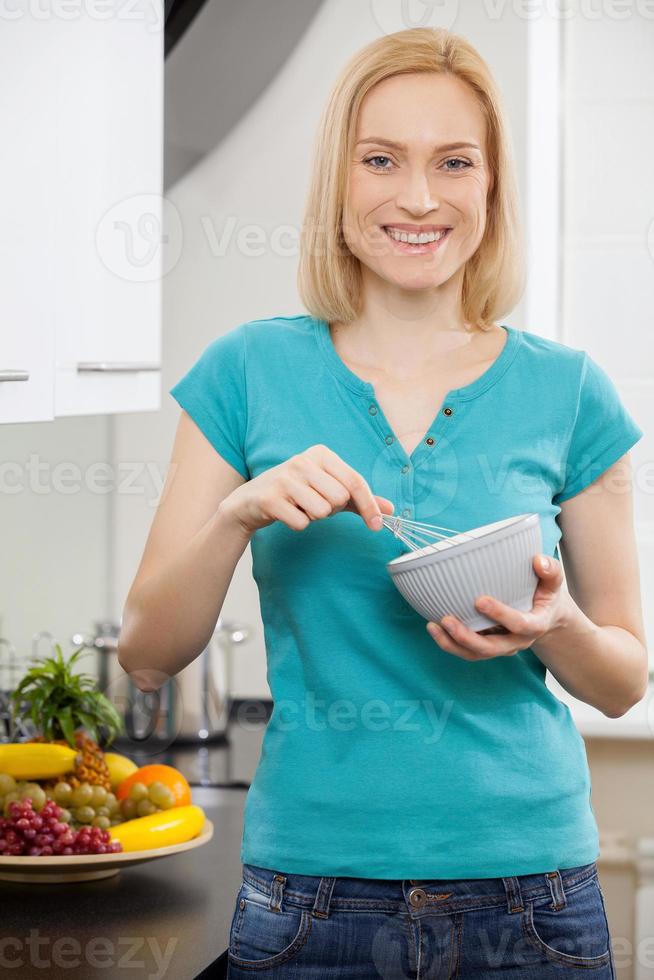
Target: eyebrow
{"type": "Point", "coordinates": [402, 146]}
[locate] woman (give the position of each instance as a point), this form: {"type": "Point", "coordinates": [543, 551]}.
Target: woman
{"type": "Point", "coordinates": [422, 806]}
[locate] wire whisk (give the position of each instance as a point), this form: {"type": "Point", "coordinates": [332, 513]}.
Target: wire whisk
{"type": "Point", "coordinates": [416, 534]}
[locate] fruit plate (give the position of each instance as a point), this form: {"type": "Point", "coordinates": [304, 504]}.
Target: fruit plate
{"type": "Point", "coordinates": [90, 867]}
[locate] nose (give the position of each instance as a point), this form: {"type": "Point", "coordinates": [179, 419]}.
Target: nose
{"type": "Point", "coordinates": [416, 195]}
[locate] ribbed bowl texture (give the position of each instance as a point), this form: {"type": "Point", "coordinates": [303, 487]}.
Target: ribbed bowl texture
{"type": "Point", "coordinates": [448, 576]}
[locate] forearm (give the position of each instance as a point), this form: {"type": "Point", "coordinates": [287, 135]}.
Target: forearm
{"type": "Point", "coordinates": [169, 620]}
{"type": "Point", "coordinates": [605, 666]}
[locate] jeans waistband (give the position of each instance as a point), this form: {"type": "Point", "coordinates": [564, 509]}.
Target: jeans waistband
{"type": "Point", "coordinates": [323, 894]}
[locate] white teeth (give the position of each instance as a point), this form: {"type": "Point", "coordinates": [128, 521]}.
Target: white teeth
{"type": "Point", "coordinates": [402, 236]}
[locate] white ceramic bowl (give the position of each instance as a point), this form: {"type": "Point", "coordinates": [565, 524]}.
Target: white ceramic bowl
{"type": "Point", "coordinates": [496, 559]}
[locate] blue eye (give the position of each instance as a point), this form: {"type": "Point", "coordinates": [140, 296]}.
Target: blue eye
{"type": "Point", "coordinates": [459, 160]}
{"type": "Point", "coordinates": [466, 163]}
{"type": "Point", "coordinates": [379, 157]}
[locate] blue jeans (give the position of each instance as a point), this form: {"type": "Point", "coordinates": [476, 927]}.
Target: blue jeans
{"type": "Point", "coordinates": [526, 927]}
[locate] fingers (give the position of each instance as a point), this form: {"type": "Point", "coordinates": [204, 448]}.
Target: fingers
{"type": "Point", "coordinates": [512, 619]}
{"type": "Point", "coordinates": [314, 505]}
{"type": "Point", "coordinates": [446, 642]}
{"type": "Point", "coordinates": [330, 464]}
{"type": "Point", "coordinates": [315, 484]}
{"type": "Point", "coordinates": [287, 512]}
{"type": "Point", "coordinates": [385, 505]}
{"type": "Point", "coordinates": [459, 639]}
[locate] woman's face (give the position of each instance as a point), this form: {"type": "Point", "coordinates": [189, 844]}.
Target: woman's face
{"type": "Point", "coordinates": [424, 182]}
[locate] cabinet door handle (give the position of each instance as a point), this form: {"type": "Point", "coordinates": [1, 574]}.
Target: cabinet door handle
{"type": "Point", "coordinates": [7, 374]}
{"type": "Point", "coordinates": [120, 366]}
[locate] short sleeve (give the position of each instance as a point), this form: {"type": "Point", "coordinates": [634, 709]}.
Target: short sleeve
{"type": "Point", "coordinates": [603, 431]}
{"type": "Point", "coordinates": [214, 393]}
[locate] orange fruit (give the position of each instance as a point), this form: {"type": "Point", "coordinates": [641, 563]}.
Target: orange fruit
{"type": "Point", "coordinates": [171, 777]}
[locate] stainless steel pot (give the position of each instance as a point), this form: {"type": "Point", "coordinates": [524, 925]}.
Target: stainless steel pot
{"type": "Point", "coordinates": [190, 708]}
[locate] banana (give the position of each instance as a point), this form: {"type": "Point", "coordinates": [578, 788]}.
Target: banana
{"type": "Point", "coordinates": [120, 767]}
{"type": "Point", "coordinates": [162, 829]}
{"type": "Point", "coordinates": [36, 760]}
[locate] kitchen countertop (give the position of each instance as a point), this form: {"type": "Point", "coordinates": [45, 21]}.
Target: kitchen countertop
{"type": "Point", "coordinates": [166, 919]}
{"type": "Point", "coordinates": [169, 918]}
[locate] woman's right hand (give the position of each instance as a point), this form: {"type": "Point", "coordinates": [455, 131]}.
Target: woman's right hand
{"type": "Point", "coordinates": [309, 486]}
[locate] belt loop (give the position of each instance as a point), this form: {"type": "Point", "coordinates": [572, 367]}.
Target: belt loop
{"type": "Point", "coordinates": [277, 892]}
{"type": "Point", "coordinates": [556, 887]}
{"type": "Point", "coordinates": [323, 897]}
{"type": "Point", "coordinates": [513, 894]}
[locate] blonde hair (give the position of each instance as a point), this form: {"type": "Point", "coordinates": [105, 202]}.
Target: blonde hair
{"type": "Point", "coordinates": [329, 279]}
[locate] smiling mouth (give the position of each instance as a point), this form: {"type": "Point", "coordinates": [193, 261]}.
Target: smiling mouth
{"type": "Point", "coordinates": [407, 243]}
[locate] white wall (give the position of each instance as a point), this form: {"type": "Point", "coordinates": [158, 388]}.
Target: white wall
{"type": "Point", "coordinates": [608, 208]}
{"type": "Point", "coordinates": [54, 528]}
{"type": "Point", "coordinates": [258, 177]}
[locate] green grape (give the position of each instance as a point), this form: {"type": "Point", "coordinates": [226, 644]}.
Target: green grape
{"type": "Point", "coordinates": [99, 797]}
{"type": "Point", "coordinates": [7, 783]}
{"type": "Point", "coordinates": [161, 795]}
{"type": "Point", "coordinates": [38, 799]}
{"type": "Point", "coordinates": [83, 795]}
{"type": "Point", "coordinates": [145, 807]}
{"type": "Point", "coordinates": [84, 814]}
{"type": "Point", "coordinates": [138, 791]}
{"type": "Point", "coordinates": [103, 822]}
{"type": "Point", "coordinates": [112, 803]}
{"type": "Point", "coordinates": [63, 793]}
{"type": "Point", "coordinates": [102, 811]}
{"type": "Point", "coordinates": [128, 809]}
{"type": "Point", "coordinates": [66, 815]}
{"type": "Point", "coordinates": [28, 789]}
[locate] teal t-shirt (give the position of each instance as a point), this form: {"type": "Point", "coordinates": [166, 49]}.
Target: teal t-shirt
{"type": "Point", "coordinates": [386, 756]}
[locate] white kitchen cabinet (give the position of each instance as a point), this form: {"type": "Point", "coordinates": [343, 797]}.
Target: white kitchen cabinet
{"type": "Point", "coordinates": [81, 102]}
{"type": "Point", "coordinates": [27, 120]}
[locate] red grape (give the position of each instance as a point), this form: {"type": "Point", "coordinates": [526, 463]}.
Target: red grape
{"type": "Point", "coordinates": [41, 834]}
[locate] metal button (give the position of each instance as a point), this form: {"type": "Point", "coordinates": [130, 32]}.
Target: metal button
{"type": "Point", "coordinates": [406, 468]}
{"type": "Point", "coordinates": [389, 440]}
{"type": "Point", "coordinates": [447, 411]}
{"type": "Point", "coordinates": [430, 441]}
{"type": "Point", "coordinates": [417, 897]}
{"type": "Point", "coordinates": [372, 409]}
{"type": "Point", "coordinates": [241, 904]}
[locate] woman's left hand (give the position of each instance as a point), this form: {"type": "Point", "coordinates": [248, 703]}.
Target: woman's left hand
{"type": "Point", "coordinates": [518, 629]}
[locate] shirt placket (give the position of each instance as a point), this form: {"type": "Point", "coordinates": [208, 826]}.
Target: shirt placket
{"type": "Point", "coordinates": [407, 466]}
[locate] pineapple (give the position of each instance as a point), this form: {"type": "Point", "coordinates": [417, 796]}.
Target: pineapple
{"type": "Point", "coordinates": [67, 709]}
{"type": "Point", "coordinates": [90, 766]}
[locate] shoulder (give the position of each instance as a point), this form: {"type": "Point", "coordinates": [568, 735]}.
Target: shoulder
{"type": "Point", "coordinates": [552, 361]}
{"type": "Point", "coordinates": [548, 350]}
{"type": "Point", "coordinates": [264, 337]}
{"type": "Point", "coordinates": [278, 340]}
{"type": "Point", "coordinates": [572, 368]}
{"type": "Point", "coordinates": [278, 328]}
